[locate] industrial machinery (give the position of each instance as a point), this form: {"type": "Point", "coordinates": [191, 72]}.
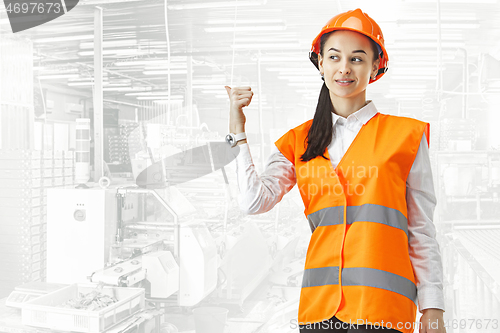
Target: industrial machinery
{"type": "Point", "coordinates": [100, 235]}
{"type": "Point", "coordinates": [185, 244]}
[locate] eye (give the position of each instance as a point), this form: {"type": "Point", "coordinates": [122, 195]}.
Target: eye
{"type": "Point", "coordinates": [357, 59]}
{"type": "Point", "coordinates": [333, 56]}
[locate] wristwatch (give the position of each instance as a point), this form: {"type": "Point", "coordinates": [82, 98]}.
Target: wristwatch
{"type": "Point", "coordinates": [232, 139]}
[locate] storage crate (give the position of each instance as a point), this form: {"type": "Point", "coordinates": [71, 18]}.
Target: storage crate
{"type": "Point", "coordinates": [45, 311]}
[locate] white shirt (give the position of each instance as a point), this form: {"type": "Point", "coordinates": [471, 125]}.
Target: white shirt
{"type": "Point", "coordinates": [259, 194]}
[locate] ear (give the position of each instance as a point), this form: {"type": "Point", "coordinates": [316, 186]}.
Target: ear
{"type": "Point", "coordinates": [320, 63]}
{"type": "Point", "coordinates": [376, 63]}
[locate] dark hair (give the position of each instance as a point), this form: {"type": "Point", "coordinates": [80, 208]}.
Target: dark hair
{"type": "Point", "coordinates": [321, 131]}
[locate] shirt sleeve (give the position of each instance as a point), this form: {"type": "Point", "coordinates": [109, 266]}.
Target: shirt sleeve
{"type": "Point", "coordinates": [423, 247]}
{"type": "Point", "coordinates": [259, 194]}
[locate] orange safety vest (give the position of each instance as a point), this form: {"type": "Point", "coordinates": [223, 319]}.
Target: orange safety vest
{"type": "Point", "coordinates": [357, 265]}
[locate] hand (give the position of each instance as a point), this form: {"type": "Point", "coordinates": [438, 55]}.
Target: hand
{"type": "Point", "coordinates": [432, 321]}
{"type": "Point", "coordinates": [239, 97]}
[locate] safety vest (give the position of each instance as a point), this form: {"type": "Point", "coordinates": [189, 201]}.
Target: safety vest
{"type": "Point", "coordinates": [357, 265]}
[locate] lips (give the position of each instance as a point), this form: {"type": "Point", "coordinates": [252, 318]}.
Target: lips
{"type": "Point", "coordinates": [344, 82]}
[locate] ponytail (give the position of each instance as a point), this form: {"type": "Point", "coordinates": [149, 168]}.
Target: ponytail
{"type": "Point", "coordinates": [320, 134]}
{"type": "Point", "coordinates": [321, 131]}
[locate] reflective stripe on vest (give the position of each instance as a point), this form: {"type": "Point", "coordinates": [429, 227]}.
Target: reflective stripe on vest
{"type": "Point", "coordinates": [360, 276]}
{"type": "Point", "coordinates": [364, 213]}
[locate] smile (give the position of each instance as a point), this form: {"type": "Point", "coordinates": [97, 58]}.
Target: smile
{"type": "Point", "coordinates": [344, 82]}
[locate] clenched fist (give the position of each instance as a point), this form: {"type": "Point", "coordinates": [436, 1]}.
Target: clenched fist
{"type": "Point", "coordinates": [239, 97]}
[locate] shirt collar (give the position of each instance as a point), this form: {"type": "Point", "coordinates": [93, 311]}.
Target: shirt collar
{"type": "Point", "coordinates": [362, 115]}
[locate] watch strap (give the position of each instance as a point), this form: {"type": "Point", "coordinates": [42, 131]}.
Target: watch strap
{"type": "Point", "coordinates": [240, 136]}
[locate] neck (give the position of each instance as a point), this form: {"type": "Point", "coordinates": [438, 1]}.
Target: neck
{"type": "Point", "coordinates": [346, 106]}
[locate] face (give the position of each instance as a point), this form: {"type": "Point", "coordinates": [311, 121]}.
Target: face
{"type": "Point", "coordinates": [347, 56]}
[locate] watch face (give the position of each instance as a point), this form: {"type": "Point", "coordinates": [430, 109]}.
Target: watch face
{"type": "Point", "coordinates": [229, 139]}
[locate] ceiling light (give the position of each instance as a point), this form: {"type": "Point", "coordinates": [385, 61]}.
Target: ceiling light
{"type": "Point", "coordinates": [267, 46]}
{"type": "Point", "coordinates": [265, 39]}
{"type": "Point", "coordinates": [174, 97]}
{"type": "Point", "coordinates": [165, 72]}
{"type": "Point", "coordinates": [57, 76]}
{"type": "Point", "coordinates": [87, 83]}
{"type": "Point", "coordinates": [249, 28]}
{"type": "Point", "coordinates": [56, 70]}
{"type": "Point", "coordinates": [63, 39]}
{"type": "Point", "coordinates": [210, 86]}
{"type": "Point", "coordinates": [309, 70]}
{"type": "Point", "coordinates": [112, 43]}
{"type": "Point", "coordinates": [243, 21]}
{"type": "Point", "coordinates": [148, 93]}
{"type": "Point", "coordinates": [113, 52]}
{"type": "Point", "coordinates": [152, 61]}
{"type": "Point", "coordinates": [165, 101]}
{"type": "Point", "coordinates": [283, 58]}
{"type": "Point", "coordinates": [127, 89]}
{"type": "Point", "coordinates": [201, 5]}
{"type": "Point", "coordinates": [405, 37]}
{"type": "Point", "coordinates": [433, 25]}
{"type": "Point", "coordinates": [166, 66]}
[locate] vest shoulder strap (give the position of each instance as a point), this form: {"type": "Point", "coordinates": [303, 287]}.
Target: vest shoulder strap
{"type": "Point", "coordinates": [288, 141]}
{"type": "Point", "coordinates": [412, 122]}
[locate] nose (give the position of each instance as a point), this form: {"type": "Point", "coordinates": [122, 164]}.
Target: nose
{"type": "Point", "coordinates": [344, 67]}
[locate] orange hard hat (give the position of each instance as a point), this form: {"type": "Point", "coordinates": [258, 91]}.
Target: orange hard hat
{"type": "Point", "coordinates": [354, 20]}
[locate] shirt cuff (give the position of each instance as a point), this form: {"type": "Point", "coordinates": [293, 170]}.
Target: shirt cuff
{"type": "Point", "coordinates": [430, 297]}
{"type": "Point", "coordinates": [243, 158]}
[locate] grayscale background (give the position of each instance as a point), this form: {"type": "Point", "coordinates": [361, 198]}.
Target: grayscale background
{"type": "Point", "coordinates": [444, 68]}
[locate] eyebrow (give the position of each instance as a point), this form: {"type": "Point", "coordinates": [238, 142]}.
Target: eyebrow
{"type": "Point", "coordinates": [355, 51]}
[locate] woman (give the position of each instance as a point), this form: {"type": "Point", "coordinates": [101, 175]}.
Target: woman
{"type": "Point", "coordinates": [369, 201]}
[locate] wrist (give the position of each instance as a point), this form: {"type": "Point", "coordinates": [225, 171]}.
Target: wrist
{"type": "Point", "coordinates": [241, 142]}
{"type": "Point", "coordinates": [235, 129]}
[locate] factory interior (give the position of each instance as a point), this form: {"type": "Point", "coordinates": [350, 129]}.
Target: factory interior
{"type": "Point", "coordinates": [95, 99]}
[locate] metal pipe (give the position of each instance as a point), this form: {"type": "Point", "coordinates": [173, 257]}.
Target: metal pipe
{"type": "Point", "coordinates": [189, 92]}
{"type": "Point", "coordinates": [439, 81]}
{"type": "Point", "coordinates": [261, 126]}
{"type": "Point", "coordinates": [478, 206]}
{"type": "Point", "coordinates": [466, 84]}
{"type": "Point", "coordinates": [98, 95]}
{"type": "Point", "coordinates": [119, 205]}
